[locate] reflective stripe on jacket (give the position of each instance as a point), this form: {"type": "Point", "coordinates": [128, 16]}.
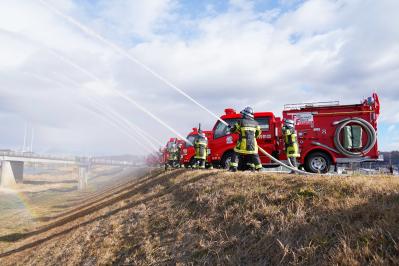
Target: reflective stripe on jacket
{"type": "Point", "coordinates": [248, 130]}
{"type": "Point", "coordinates": [201, 148]}
{"type": "Point", "coordinates": [173, 154]}
{"type": "Point", "coordinates": [291, 143]}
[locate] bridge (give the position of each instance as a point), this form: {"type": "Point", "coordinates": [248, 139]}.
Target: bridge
{"type": "Point", "coordinates": [12, 165]}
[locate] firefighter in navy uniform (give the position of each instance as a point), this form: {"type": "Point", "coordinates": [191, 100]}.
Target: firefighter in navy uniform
{"type": "Point", "coordinates": [291, 142]}
{"type": "Point", "coordinates": [246, 150]}
{"type": "Point", "coordinates": [201, 150]}
{"type": "Point", "coordinates": [172, 151]}
{"type": "Point", "coordinates": [179, 154]}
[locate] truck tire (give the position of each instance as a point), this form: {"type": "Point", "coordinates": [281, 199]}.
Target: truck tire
{"type": "Point", "coordinates": [226, 159]}
{"type": "Point", "coordinates": [318, 162]}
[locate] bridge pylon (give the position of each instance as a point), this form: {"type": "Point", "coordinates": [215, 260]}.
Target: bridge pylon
{"type": "Point", "coordinates": [83, 172]}
{"type": "Point", "coordinates": [11, 173]}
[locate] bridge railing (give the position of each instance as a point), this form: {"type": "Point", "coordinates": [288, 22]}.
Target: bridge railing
{"type": "Point", "coordinates": [78, 160]}
{"type": "Point", "coordinates": [34, 155]}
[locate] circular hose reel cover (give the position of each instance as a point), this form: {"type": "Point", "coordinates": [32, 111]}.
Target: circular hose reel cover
{"type": "Point", "coordinates": [371, 137]}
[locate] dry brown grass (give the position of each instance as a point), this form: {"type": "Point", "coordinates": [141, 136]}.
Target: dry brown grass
{"type": "Point", "coordinates": [213, 217]}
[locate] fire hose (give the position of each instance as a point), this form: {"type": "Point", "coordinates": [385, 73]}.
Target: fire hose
{"type": "Point", "coordinates": [292, 168]}
{"type": "Point", "coordinates": [371, 137]}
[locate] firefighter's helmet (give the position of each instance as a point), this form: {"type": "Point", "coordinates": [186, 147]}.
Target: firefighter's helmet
{"type": "Point", "coordinates": [248, 112]}
{"type": "Point", "coordinates": [201, 134]}
{"type": "Point", "coordinates": [289, 123]}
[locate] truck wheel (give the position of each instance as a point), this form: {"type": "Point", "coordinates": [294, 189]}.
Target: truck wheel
{"type": "Point", "coordinates": [318, 162]}
{"type": "Point", "coordinates": [226, 159]}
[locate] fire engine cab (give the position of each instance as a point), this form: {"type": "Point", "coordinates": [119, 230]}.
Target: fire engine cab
{"type": "Point", "coordinates": [328, 133]}
{"type": "Point", "coordinates": [223, 142]}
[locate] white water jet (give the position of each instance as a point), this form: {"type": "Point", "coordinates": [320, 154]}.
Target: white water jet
{"type": "Point", "coordinates": [116, 116]}
{"type": "Point", "coordinates": [127, 55]}
{"type": "Point", "coordinates": [122, 130]}
{"type": "Point", "coordinates": [109, 120]}
{"type": "Point", "coordinates": [117, 92]}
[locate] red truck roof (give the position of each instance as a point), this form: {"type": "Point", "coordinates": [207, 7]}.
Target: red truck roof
{"type": "Point", "coordinates": [371, 104]}
{"type": "Point", "coordinates": [195, 132]}
{"type": "Point", "coordinates": [231, 113]}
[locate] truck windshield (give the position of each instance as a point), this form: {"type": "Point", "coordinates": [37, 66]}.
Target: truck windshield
{"type": "Point", "coordinates": [263, 123]}
{"type": "Point", "coordinates": [221, 129]}
{"type": "Point", "coordinates": [190, 138]}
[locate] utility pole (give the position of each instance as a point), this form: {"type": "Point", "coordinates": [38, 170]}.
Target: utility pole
{"type": "Point", "coordinates": [31, 141]}
{"type": "Point", "coordinates": [25, 135]}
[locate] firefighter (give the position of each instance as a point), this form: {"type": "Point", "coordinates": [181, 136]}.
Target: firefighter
{"type": "Point", "coordinates": [246, 150]}
{"type": "Point", "coordinates": [201, 150]}
{"type": "Point", "coordinates": [179, 153]}
{"type": "Point", "coordinates": [172, 151]}
{"type": "Point", "coordinates": [291, 143]}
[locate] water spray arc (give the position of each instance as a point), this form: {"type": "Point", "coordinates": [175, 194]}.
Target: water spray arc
{"type": "Point", "coordinates": [131, 58]}
{"type": "Point", "coordinates": [117, 116]}
{"type": "Point", "coordinates": [120, 120]}
{"type": "Point", "coordinates": [117, 92]}
{"type": "Point", "coordinates": [108, 120]}
{"type": "Point", "coordinates": [125, 54]}
{"type": "Point", "coordinates": [122, 130]}
{"type": "Point", "coordinates": [69, 62]}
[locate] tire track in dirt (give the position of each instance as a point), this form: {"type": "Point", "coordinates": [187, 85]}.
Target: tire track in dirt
{"type": "Point", "coordinates": [80, 211]}
{"type": "Point", "coordinates": [164, 179]}
{"type": "Point", "coordinates": [103, 195]}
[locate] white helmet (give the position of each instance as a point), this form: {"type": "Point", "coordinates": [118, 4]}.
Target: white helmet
{"type": "Point", "coordinates": [289, 123]}
{"type": "Point", "coordinates": [248, 112]}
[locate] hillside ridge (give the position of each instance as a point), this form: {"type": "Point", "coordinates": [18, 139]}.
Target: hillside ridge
{"type": "Point", "coordinates": [217, 217]}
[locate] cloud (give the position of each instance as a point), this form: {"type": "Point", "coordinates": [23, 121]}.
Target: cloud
{"type": "Point", "coordinates": [294, 51]}
{"type": "Point", "coordinates": [126, 20]}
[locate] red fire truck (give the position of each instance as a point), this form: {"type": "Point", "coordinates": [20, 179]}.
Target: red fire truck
{"type": "Point", "coordinates": [188, 150]}
{"type": "Point", "coordinates": [165, 154]}
{"type": "Point", "coordinates": [328, 133]}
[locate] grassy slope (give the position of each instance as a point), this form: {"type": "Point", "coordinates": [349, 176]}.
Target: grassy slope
{"type": "Point", "coordinates": [218, 217]}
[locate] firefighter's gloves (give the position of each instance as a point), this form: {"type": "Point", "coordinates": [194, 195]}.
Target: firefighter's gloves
{"type": "Point", "coordinates": [232, 128]}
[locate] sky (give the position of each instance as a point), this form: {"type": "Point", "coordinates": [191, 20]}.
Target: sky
{"type": "Point", "coordinates": [64, 85]}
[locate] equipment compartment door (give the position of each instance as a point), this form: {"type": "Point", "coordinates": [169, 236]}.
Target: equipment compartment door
{"type": "Point", "coordinates": [267, 137]}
